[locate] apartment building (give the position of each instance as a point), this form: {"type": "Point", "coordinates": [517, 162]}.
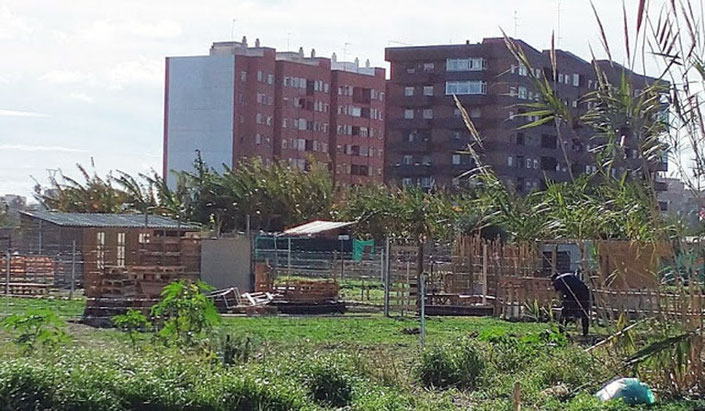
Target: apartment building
{"type": "Point", "coordinates": [252, 101]}
{"type": "Point", "coordinates": [427, 139]}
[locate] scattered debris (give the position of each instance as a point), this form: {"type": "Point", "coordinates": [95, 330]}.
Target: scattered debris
{"type": "Point", "coordinates": [411, 330]}
{"type": "Point", "coordinates": [560, 391]}
{"type": "Point", "coordinates": [630, 390]}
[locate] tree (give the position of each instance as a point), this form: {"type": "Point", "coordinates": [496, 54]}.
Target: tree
{"type": "Point", "coordinates": [93, 195]}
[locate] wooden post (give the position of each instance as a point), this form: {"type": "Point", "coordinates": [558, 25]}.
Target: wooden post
{"type": "Point", "coordinates": [516, 397]}
{"type": "Point", "coordinates": [73, 269]}
{"type": "Point", "coordinates": [554, 258]}
{"type": "Point", "coordinates": [422, 294]}
{"type": "Point", "coordinates": [7, 272]}
{"type": "Point", "coordinates": [484, 273]}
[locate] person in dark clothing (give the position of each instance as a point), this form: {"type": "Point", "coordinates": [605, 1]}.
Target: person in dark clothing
{"type": "Point", "coordinates": [576, 300]}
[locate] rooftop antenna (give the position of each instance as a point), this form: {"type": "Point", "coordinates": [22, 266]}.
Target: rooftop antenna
{"type": "Point", "coordinates": [288, 41]}
{"type": "Point", "coordinates": [516, 23]}
{"type": "Point", "coordinates": [345, 51]}
{"type": "Point", "coordinates": [232, 31]}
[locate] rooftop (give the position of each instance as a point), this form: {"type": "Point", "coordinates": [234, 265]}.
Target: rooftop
{"type": "Point", "coordinates": [108, 220]}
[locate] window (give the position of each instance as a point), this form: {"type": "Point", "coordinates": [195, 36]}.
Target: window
{"type": "Point", "coordinates": [258, 139]}
{"type": "Point", "coordinates": [259, 118]}
{"type": "Point", "coordinates": [259, 75]}
{"type": "Point", "coordinates": [522, 93]}
{"type": "Point", "coordinates": [143, 238]}
{"type": "Point", "coordinates": [510, 161]}
{"type": "Point", "coordinates": [428, 90]}
{"type": "Point", "coordinates": [355, 111]}
{"type": "Point", "coordinates": [576, 80]}
{"type": "Point", "coordinates": [243, 76]}
{"type": "Point", "coordinates": [465, 87]}
{"type": "Point", "coordinates": [408, 91]}
{"type": "Point", "coordinates": [408, 113]}
{"type": "Point", "coordinates": [476, 112]}
{"type": "Point", "coordinates": [270, 79]}
{"type": "Point", "coordinates": [560, 77]}
{"type": "Point", "coordinates": [455, 160]}
{"type": "Point", "coordinates": [522, 70]}
{"type": "Point", "coordinates": [269, 120]}
{"type": "Point", "coordinates": [428, 113]}
{"type": "Point", "coordinates": [407, 182]}
{"type": "Point", "coordinates": [120, 249]}
{"type": "Point", "coordinates": [407, 159]}
{"type": "Point", "coordinates": [100, 250]}
{"type": "Point", "coordinates": [469, 64]}
{"type": "Point", "coordinates": [427, 182]}
{"type": "Point", "coordinates": [427, 67]}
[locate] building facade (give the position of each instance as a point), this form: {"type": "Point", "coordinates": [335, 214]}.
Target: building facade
{"type": "Point", "coordinates": [241, 101]}
{"type": "Point", "coordinates": [427, 139]}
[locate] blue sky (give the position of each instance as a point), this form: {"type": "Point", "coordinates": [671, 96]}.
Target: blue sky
{"type": "Point", "coordinates": [84, 79]}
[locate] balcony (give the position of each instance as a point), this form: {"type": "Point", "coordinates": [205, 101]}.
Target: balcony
{"type": "Point", "coordinates": [660, 185]}
{"type": "Point", "coordinates": [410, 147]}
{"type": "Point", "coordinates": [412, 101]}
{"type": "Point", "coordinates": [414, 123]}
{"type": "Point", "coordinates": [411, 170]}
{"type": "Point", "coordinates": [420, 77]}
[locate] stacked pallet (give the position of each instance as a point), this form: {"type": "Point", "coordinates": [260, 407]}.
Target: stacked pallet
{"type": "Point", "coordinates": [29, 275]}
{"type": "Point", "coordinates": [306, 291]}
{"type": "Point", "coordinates": [139, 284]}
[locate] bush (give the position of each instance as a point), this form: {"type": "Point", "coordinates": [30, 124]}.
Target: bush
{"type": "Point", "coordinates": [235, 350]}
{"type": "Point", "coordinates": [185, 313]}
{"type": "Point", "coordinates": [131, 322]}
{"type": "Point", "coordinates": [457, 365]}
{"type": "Point", "coordinates": [329, 384]}
{"type": "Point", "coordinates": [101, 381]}
{"type": "Point", "coordinates": [37, 327]}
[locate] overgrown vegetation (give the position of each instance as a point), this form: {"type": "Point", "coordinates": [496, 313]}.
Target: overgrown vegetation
{"type": "Point", "coordinates": [36, 328]}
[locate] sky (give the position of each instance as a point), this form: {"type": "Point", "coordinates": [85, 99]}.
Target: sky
{"type": "Point", "coordinates": [82, 81]}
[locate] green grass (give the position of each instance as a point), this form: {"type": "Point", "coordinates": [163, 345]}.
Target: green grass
{"type": "Point", "coordinates": [364, 331]}
{"type": "Point", "coordinates": [371, 362]}
{"type": "Point", "coordinates": [68, 309]}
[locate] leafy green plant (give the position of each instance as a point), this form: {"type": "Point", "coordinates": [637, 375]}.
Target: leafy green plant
{"type": "Point", "coordinates": [132, 322]}
{"type": "Point", "coordinates": [37, 327]}
{"type": "Point", "coordinates": [185, 312]}
{"type": "Point", "coordinates": [458, 365]}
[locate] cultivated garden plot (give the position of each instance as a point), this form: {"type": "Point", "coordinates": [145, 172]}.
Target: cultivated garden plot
{"type": "Point", "coordinates": [244, 363]}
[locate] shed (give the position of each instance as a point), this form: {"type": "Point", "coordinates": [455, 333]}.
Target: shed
{"type": "Point", "coordinates": [101, 239]}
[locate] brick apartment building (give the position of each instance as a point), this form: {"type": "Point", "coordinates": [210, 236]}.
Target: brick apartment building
{"type": "Point", "coordinates": [241, 101]}
{"type": "Point", "coordinates": [426, 134]}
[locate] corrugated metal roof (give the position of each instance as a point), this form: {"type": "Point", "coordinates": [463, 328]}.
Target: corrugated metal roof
{"type": "Point", "coordinates": [108, 220]}
{"type": "Point", "coordinates": [317, 227]}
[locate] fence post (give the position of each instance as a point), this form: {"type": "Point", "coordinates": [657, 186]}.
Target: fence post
{"type": "Point", "coordinates": [385, 276]}
{"type": "Point", "coordinates": [7, 272]}
{"type": "Point", "coordinates": [422, 292]}
{"type": "Point", "coordinates": [73, 269]}
{"type": "Point", "coordinates": [484, 273]}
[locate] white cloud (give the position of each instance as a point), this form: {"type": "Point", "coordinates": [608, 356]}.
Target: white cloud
{"type": "Point", "coordinates": [143, 71]}
{"type": "Point", "coordinates": [67, 77]}
{"type": "Point", "coordinates": [13, 26]}
{"type": "Point", "coordinates": [161, 29]}
{"type": "Point", "coordinates": [15, 113]}
{"type": "Point", "coordinates": [25, 147]}
{"type": "Point", "coordinates": [83, 97]}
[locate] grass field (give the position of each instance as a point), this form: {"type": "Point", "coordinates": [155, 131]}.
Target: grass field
{"type": "Point", "coordinates": [378, 359]}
